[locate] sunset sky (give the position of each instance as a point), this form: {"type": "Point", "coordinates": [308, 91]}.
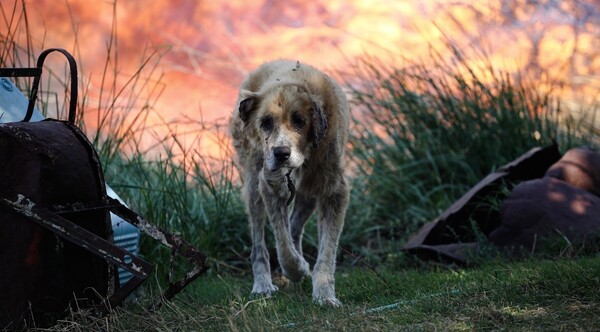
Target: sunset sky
{"type": "Point", "coordinates": [208, 47]}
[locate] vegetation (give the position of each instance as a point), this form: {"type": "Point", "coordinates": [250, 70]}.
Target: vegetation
{"type": "Point", "coordinates": [423, 134]}
{"type": "Point", "coordinates": [529, 295]}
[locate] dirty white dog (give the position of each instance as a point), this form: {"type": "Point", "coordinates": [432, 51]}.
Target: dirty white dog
{"type": "Point", "coordinates": [289, 130]}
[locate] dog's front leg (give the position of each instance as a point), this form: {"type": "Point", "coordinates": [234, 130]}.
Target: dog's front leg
{"type": "Point", "coordinates": [332, 211]}
{"type": "Point", "coordinates": [275, 193]}
{"type": "Point", "coordinates": [304, 206]}
{"type": "Point", "coordinates": [263, 284]}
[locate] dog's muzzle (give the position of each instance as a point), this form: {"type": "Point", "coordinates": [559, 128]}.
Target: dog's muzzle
{"type": "Point", "coordinates": [281, 153]}
{"type": "Point", "coordinates": [279, 158]}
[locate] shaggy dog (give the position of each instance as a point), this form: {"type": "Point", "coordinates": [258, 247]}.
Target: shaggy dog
{"type": "Point", "coordinates": [289, 130]}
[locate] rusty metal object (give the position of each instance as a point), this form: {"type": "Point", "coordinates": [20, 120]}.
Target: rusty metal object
{"type": "Point", "coordinates": [36, 73]}
{"type": "Point", "coordinates": [49, 162]}
{"type": "Point", "coordinates": [55, 234]}
{"type": "Point", "coordinates": [451, 236]}
{"type": "Point", "coordinates": [52, 221]}
{"type": "Point", "coordinates": [88, 241]}
{"type": "Point", "coordinates": [178, 245]}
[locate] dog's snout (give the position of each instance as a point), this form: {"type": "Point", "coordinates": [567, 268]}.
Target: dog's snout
{"type": "Point", "coordinates": [281, 153]}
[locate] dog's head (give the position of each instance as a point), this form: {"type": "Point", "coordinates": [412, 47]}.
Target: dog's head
{"type": "Point", "coordinates": [288, 120]}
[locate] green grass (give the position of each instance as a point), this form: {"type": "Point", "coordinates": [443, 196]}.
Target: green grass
{"type": "Point", "coordinates": [522, 296]}
{"type": "Point", "coordinates": [422, 135]}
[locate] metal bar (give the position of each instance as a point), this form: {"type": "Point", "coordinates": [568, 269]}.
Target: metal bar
{"type": "Point", "coordinates": [170, 240]}
{"type": "Point", "coordinates": [121, 293]}
{"type": "Point", "coordinates": [176, 287]}
{"type": "Point", "coordinates": [177, 245]}
{"type": "Point", "coordinates": [20, 72]}
{"type": "Point", "coordinates": [83, 206]}
{"type": "Point", "coordinates": [36, 73]}
{"type": "Point", "coordinates": [36, 82]}
{"type": "Point", "coordinates": [79, 236]}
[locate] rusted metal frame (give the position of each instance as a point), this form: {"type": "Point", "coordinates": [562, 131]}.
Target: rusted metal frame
{"type": "Point", "coordinates": [170, 240]}
{"type": "Point", "coordinates": [139, 268]}
{"type": "Point", "coordinates": [72, 232]}
{"type": "Point", "coordinates": [122, 292]}
{"type": "Point", "coordinates": [36, 82]}
{"type": "Point", "coordinates": [176, 243]}
{"type": "Point", "coordinates": [83, 206]}
{"type": "Point", "coordinates": [36, 73]}
{"type": "Point", "coordinates": [20, 72]}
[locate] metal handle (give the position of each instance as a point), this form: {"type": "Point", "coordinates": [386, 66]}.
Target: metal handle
{"type": "Point", "coordinates": [36, 82]}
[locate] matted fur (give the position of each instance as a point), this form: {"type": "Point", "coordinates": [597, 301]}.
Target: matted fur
{"type": "Point", "coordinates": [290, 124]}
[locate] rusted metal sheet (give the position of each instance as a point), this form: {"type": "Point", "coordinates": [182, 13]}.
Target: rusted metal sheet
{"type": "Point", "coordinates": [451, 236]}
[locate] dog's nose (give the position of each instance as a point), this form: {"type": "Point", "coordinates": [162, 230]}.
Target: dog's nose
{"type": "Point", "coordinates": [281, 153]}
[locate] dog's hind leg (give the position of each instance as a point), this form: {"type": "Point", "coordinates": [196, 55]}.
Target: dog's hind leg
{"type": "Point", "coordinates": [303, 208]}
{"type": "Point", "coordinates": [332, 211]}
{"type": "Point", "coordinates": [261, 269]}
{"type": "Point", "coordinates": [274, 191]}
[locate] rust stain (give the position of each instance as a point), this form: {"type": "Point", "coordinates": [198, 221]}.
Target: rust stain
{"type": "Point", "coordinates": [32, 257]}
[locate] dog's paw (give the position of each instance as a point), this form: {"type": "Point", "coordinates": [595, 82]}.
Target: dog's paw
{"type": "Point", "coordinates": [324, 290]}
{"type": "Point", "coordinates": [263, 290]}
{"type": "Point", "coordinates": [328, 301]}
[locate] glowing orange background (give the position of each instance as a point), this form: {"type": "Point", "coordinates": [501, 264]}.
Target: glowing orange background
{"type": "Point", "coordinates": [213, 44]}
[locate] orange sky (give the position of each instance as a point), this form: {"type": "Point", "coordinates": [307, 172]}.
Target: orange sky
{"type": "Point", "coordinates": [213, 44]}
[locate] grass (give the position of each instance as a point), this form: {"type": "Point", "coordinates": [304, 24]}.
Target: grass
{"type": "Point", "coordinates": [517, 296]}
{"type": "Point", "coordinates": [422, 135]}
{"type": "Point", "coordinates": [473, 299]}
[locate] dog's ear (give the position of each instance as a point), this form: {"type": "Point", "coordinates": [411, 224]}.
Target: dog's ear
{"type": "Point", "coordinates": [248, 104]}
{"type": "Point", "coordinates": [319, 123]}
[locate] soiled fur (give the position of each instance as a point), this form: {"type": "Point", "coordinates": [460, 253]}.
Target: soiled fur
{"type": "Point", "coordinates": [291, 122]}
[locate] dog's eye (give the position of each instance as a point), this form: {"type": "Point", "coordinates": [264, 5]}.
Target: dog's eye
{"type": "Point", "coordinates": [298, 121]}
{"type": "Point", "coordinates": [266, 123]}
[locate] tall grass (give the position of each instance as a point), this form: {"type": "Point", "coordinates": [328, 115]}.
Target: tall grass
{"type": "Point", "coordinates": [174, 185]}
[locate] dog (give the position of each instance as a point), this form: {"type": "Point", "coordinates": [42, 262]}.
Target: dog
{"type": "Point", "coordinates": [290, 130]}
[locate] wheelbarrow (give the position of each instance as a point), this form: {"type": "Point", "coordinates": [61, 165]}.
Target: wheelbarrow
{"type": "Point", "coordinates": [56, 239]}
